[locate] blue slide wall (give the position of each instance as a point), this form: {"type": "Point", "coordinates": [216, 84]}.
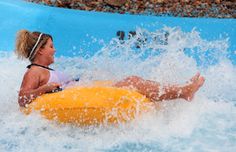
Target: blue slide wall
{"type": "Point", "coordinates": [72, 29]}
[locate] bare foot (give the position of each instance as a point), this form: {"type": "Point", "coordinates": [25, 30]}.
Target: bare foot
{"type": "Point", "coordinates": [194, 78]}
{"type": "Point", "coordinates": [196, 82]}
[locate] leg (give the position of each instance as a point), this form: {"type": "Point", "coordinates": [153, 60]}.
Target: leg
{"type": "Point", "coordinates": [153, 91]}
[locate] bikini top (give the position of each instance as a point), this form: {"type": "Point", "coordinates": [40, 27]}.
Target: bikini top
{"type": "Point", "coordinates": [56, 76]}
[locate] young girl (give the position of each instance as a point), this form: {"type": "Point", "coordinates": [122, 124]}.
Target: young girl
{"type": "Point", "coordinates": [40, 79]}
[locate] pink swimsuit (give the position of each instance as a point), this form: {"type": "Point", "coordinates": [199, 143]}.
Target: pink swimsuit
{"type": "Point", "coordinates": [56, 76]}
{"type": "Point", "coordinates": [61, 78]}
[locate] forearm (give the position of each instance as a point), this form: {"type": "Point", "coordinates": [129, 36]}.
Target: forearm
{"type": "Point", "coordinates": [26, 96]}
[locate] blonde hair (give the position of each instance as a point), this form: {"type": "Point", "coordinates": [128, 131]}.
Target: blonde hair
{"type": "Point", "coordinates": [26, 42]}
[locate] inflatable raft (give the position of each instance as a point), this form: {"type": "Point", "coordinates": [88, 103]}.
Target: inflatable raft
{"type": "Point", "coordinates": [86, 106]}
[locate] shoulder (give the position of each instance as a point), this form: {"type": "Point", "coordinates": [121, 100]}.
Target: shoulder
{"type": "Point", "coordinates": [32, 73]}
{"type": "Point", "coordinates": [31, 78]}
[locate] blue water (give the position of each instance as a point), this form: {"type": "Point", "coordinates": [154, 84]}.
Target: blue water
{"type": "Point", "coordinates": [208, 123]}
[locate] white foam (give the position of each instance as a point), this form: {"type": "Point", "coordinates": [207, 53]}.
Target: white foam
{"type": "Point", "coordinates": [205, 124]}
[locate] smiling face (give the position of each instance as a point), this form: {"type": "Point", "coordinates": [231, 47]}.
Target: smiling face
{"type": "Point", "coordinates": [46, 53]}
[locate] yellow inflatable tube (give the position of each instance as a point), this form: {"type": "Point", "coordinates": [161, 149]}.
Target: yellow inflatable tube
{"type": "Point", "coordinates": [90, 105]}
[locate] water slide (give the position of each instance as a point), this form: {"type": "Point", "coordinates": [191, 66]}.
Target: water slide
{"type": "Point", "coordinates": [208, 123]}
{"type": "Point", "coordinates": [75, 31]}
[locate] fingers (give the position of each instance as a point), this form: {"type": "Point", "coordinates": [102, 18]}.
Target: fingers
{"type": "Point", "coordinates": [52, 87]}
{"type": "Point", "coordinates": [55, 84]}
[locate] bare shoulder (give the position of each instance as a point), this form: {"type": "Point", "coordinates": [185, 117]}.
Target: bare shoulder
{"type": "Point", "coordinates": [32, 73]}
{"type": "Point", "coordinates": [31, 79]}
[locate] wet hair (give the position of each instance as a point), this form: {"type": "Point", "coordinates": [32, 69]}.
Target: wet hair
{"type": "Point", "coordinates": [28, 43]}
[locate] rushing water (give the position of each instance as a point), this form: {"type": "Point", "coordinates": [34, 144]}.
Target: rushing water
{"type": "Point", "coordinates": [208, 123]}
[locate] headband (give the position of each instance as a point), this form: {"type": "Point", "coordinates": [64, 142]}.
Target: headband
{"type": "Point", "coordinates": [33, 52]}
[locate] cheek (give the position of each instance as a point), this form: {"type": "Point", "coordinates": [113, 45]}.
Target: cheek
{"type": "Point", "coordinates": [51, 52]}
{"type": "Point", "coordinates": [49, 55]}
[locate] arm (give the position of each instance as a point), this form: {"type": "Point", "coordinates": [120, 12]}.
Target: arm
{"type": "Point", "coordinates": [31, 89]}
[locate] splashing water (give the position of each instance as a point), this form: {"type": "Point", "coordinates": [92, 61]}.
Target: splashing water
{"type": "Point", "coordinates": [168, 56]}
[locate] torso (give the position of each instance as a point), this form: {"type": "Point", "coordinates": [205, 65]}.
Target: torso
{"type": "Point", "coordinates": [58, 77]}
{"type": "Point", "coordinates": [43, 74]}
{"type": "Point", "coordinates": [37, 76]}
{"type": "Point", "coordinates": [47, 75]}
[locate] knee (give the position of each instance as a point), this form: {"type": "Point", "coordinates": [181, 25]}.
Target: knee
{"type": "Point", "coordinates": [133, 79]}
{"type": "Point", "coordinates": [129, 81]}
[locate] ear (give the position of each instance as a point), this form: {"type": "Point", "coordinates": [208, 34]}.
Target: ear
{"type": "Point", "coordinates": [40, 51]}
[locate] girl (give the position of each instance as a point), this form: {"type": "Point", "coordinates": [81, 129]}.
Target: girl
{"type": "Point", "coordinates": [40, 79]}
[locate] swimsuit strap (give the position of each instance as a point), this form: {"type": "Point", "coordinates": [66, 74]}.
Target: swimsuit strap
{"type": "Point", "coordinates": [33, 64]}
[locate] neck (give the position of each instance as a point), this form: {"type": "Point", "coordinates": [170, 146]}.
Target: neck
{"type": "Point", "coordinates": [41, 62]}
{"type": "Point", "coordinates": [39, 65]}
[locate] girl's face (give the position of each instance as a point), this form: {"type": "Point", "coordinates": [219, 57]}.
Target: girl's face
{"type": "Point", "coordinates": [48, 51]}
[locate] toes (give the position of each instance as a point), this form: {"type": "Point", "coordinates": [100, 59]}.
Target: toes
{"type": "Point", "coordinates": [201, 80]}
{"type": "Point", "coordinates": [194, 78]}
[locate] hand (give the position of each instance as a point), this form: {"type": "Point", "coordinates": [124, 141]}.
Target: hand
{"type": "Point", "coordinates": [50, 87]}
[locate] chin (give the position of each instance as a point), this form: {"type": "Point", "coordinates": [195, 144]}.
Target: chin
{"type": "Point", "coordinates": [52, 60]}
